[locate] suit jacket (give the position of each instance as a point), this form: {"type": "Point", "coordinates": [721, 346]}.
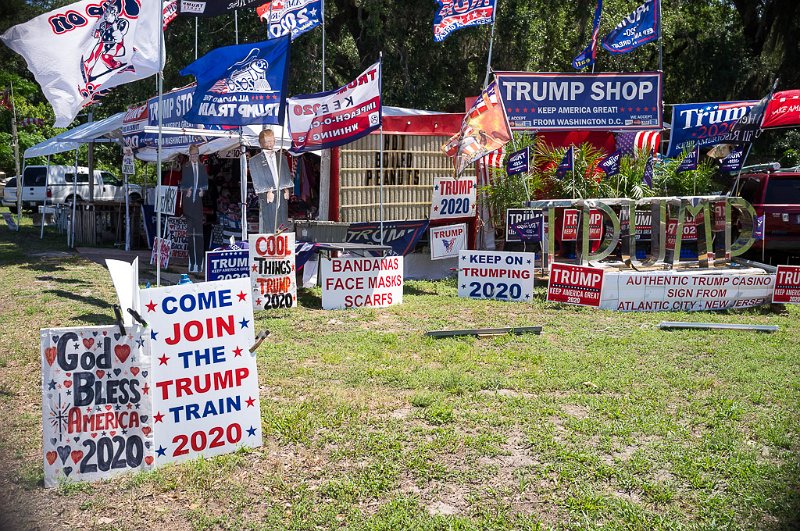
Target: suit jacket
{"type": "Point", "coordinates": [187, 177]}
{"type": "Point", "coordinates": [263, 179]}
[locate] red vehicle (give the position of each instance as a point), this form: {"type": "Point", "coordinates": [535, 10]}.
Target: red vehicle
{"type": "Point", "coordinates": [774, 191]}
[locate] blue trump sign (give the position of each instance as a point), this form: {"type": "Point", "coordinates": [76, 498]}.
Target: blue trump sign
{"type": "Point", "coordinates": [222, 265]}
{"type": "Point", "coordinates": [582, 102]}
{"type": "Point", "coordinates": [638, 28]}
{"type": "Point", "coordinates": [518, 162]}
{"type": "Point", "coordinates": [704, 124]}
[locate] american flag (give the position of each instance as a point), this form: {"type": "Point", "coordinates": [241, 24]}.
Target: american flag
{"type": "Point", "coordinates": [638, 142]}
{"type": "Point", "coordinates": [484, 130]}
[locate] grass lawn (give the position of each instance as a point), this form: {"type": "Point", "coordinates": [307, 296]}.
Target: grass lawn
{"type": "Point", "coordinates": [602, 421]}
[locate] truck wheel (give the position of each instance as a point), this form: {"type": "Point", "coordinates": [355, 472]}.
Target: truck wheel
{"type": "Point", "coordinates": [68, 200]}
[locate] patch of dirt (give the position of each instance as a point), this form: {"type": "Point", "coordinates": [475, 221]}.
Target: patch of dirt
{"type": "Point", "coordinates": [574, 410]}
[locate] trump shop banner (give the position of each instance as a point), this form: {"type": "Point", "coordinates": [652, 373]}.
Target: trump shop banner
{"type": "Point", "coordinates": [96, 399]}
{"type": "Point", "coordinates": [329, 119]}
{"type": "Point", "coordinates": [241, 85]}
{"type": "Point", "coordinates": [584, 102]}
{"type": "Point", "coordinates": [204, 378]}
{"type": "Point", "coordinates": [703, 124]}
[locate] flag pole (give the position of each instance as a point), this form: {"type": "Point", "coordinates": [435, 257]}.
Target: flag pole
{"type": "Point", "coordinates": [44, 205]}
{"type": "Point", "coordinates": [491, 40]}
{"type": "Point", "coordinates": [322, 16]}
{"type": "Point", "coordinates": [71, 236]}
{"type": "Point", "coordinates": [243, 183]}
{"type": "Point", "coordinates": [15, 140]}
{"type": "Point", "coordinates": [195, 37]}
{"type": "Point", "coordinates": [380, 61]}
{"type": "Point", "coordinates": [160, 82]}
{"type": "Point", "coordinates": [236, 24]}
{"type": "Point", "coordinates": [660, 39]}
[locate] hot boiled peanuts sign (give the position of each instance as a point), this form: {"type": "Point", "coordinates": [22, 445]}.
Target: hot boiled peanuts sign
{"type": "Point", "coordinates": [573, 284]}
{"type": "Point", "coordinates": [568, 102]}
{"type": "Point", "coordinates": [453, 198]}
{"type": "Point", "coordinates": [272, 271]}
{"type": "Point", "coordinates": [787, 285]}
{"type": "Point", "coordinates": [96, 388]}
{"type": "Point", "coordinates": [205, 384]}
{"type": "Point", "coordinates": [495, 275]}
{"type": "Point", "coordinates": [362, 282]}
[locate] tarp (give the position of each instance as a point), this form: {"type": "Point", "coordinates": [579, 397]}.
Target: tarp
{"type": "Point", "coordinates": [73, 138]}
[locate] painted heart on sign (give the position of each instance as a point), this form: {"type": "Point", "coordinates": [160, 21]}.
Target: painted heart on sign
{"type": "Point", "coordinates": [51, 457]}
{"type": "Point", "coordinates": [147, 443]}
{"type": "Point", "coordinates": [93, 435]}
{"type": "Point", "coordinates": [50, 355]}
{"type": "Point", "coordinates": [144, 418]}
{"type": "Point", "coordinates": [53, 440]}
{"type": "Point", "coordinates": [94, 334]}
{"type": "Point", "coordinates": [117, 336]}
{"type": "Point", "coordinates": [134, 370]}
{"type": "Point", "coordinates": [146, 430]}
{"type": "Point", "coordinates": [76, 455]}
{"type": "Point", "coordinates": [88, 343]}
{"type": "Point", "coordinates": [67, 383]}
{"type": "Point", "coordinates": [122, 352]}
{"type": "Point", "coordinates": [144, 374]}
{"type": "Point", "coordinates": [67, 470]}
{"type": "Point", "coordinates": [63, 452]}
{"type": "Point", "coordinates": [112, 433]}
{"type": "Point", "coordinates": [100, 373]}
{"type": "Point", "coordinates": [68, 374]}
{"type": "Point", "coordinates": [77, 439]}
{"type": "Point", "coordinates": [117, 372]}
{"type": "Point", "coordinates": [105, 333]}
{"type": "Point", "coordinates": [149, 459]}
{"type": "Point", "coordinates": [108, 407]}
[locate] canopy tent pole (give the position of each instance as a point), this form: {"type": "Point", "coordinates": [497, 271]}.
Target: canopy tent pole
{"type": "Point", "coordinates": [243, 184]}
{"type": "Point", "coordinates": [160, 82]}
{"type": "Point", "coordinates": [71, 237]}
{"type": "Point", "coordinates": [15, 140]}
{"type": "Point", "coordinates": [44, 205]}
{"type": "Point", "coordinates": [278, 191]}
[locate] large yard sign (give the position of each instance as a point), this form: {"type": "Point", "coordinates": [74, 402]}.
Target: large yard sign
{"type": "Point", "coordinates": [787, 285]}
{"type": "Point", "coordinates": [272, 271]}
{"type": "Point", "coordinates": [222, 265]}
{"type": "Point", "coordinates": [205, 384]}
{"type": "Point", "coordinates": [96, 418]}
{"type": "Point", "coordinates": [572, 284]}
{"type": "Point", "coordinates": [448, 241]}
{"type": "Point", "coordinates": [686, 290]}
{"type": "Point", "coordinates": [515, 216]}
{"type": "Point", "coordinates": [453, 198]}
{"type": "Point", "coordinates": [495, 275]}
{"type": "Point", "coordinates": [569, 102]}
{"type": "Point", "coordinates": [362, 282]}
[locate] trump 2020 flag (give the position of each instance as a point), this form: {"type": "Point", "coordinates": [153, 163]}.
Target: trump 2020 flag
{"type": "Point", "coordinates": [295, 17]}
{"type": "Point", "coordinates": [212, 8]}
{"type": "Point", "coordinates": [647, 178]}
{"type": "Point", "coordinates": [340, 116]}
{"type": "Point", "coordinates": [783, 110]}
{"type": "Point", "coordinates": [484, 130]}
{"type": "Point", "coordinates": [733, 162]}
{"type": "Point", "coordinates": [758, 230]}
{"type": "Point", "coordinates": [77, 51]}
{"type": "Point", "coordinates": [567, 163]}
{"type": "Point", "coordinates": [638, 28]}
{"type": "Point", "coordinates": [690, 162]}
{"type": "Point", "coordinates": [588, 55]}
{"type": "Point", "coordinates": [240, 85]}
{"type": "Point", "coordinates": [519, 162]}
{"type": "Point", "coordinates": [610, 164]}
{"type": "Point", "coordinates": [452, 15]}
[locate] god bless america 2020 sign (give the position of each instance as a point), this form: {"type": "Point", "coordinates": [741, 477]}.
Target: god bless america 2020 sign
{"type": "Point", "coordinates": [96, 415]}
{"type": "Point", "coordinates": [495, 275]}
{"type": "Point", "coordinates": [205, 384]}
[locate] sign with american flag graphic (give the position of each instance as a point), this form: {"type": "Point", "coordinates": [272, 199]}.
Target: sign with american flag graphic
{"type": "Point", "coordinates": [452, 15]}
{"type": "Point", "coordinates": [448, 241]}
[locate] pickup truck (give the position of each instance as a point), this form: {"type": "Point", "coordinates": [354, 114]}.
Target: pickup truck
{"type": "Point", "coordinates": [775, 193]}
{"type": "Point", "coordinates": [57, 187]}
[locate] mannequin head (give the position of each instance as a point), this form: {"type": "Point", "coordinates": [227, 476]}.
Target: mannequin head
{"type": "Point", "coordinates": [266, 139]}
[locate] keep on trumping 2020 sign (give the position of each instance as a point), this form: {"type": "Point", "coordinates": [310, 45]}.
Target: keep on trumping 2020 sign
{"type": "Point", "coordinates": [495, 275]}
{"type": "Point", "coordinates": [204, 380]}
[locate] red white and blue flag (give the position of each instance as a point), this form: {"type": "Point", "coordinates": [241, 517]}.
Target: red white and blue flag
{"type": "Point", "coordinates": [635, 143]}
{"type": "Point", "coordinates": [588, 55]}
{"type": "Point", "coordinates": [452, 15]}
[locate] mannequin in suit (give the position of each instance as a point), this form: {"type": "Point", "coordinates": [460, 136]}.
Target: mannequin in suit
{"type": "Point", "coordinates": [194, 183]}
{"type": "Point", "coordinates": [273, 193]}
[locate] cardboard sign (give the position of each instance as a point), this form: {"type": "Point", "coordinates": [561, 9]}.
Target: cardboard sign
{"type": "Point", "coordinates": [453, 198]}
{"type": "Point", "coordinates": [572, 284]}
{"type": "Point", "coordinates": [166, 251]}
{"type": "Point", "coordinates": [128, 166]}
{"type": "Point", "coordinates": [569, 225]}
{"type": "Point", "coordinates": [96, 418]}
{"type": "Point", "coordinates": [689, 290]}
{"type": "Point", "coordinates": [515, 216]}
{"type": "Point", "coordinates": [644, 223]}
{"type": "Point", "coordinates": [518, 162]}
{"type": "Point", "coordinates": [272, 271]}
{"type": "Point", "coordinates": [223, 265]}
{"type": "Point", "coordinates": [205, 383]}
{"type": "Point", "coordinates": [356, 282]}
{"type": "Point", "coordinates": [447, 242]}
{"type": "Point", "coordinates": [178, 232]}
{"type": "Point", "coordinates": [530, 230]}
{"type": "Point", "coordinates": [167, 199]}
{"type": "Point", "coordinates": [495, 275]}
{"type": "Point", "coordinates": [689, 232]}
{"type": "Point", "coordinates": [787, 285]}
